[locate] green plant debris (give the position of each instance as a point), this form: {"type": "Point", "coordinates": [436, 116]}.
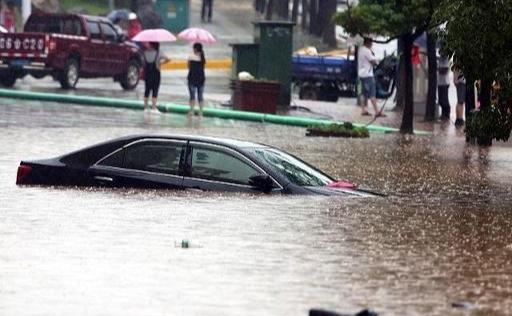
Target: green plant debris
{"type": "Point", "coordinates": [346, 129]}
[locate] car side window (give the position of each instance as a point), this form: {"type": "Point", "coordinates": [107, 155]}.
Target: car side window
{"type": "Point", "coordinates": [94, 29]}
{"type": "Point", "coordinates": [109, 32]}
{"type": "Point", "coordinates": [113, 160]}
{"type": "Point", "coordinates": [154, 156]}
{"type": "Point", "coordinates": [214, 164]}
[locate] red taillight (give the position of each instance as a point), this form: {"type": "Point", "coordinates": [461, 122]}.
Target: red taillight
{"type": "Point", "coordinates": [342, 184]}
{"type": "Point", "coordinates": [53, 45]}
{"type": "Point", "coordinates": [23, 171]}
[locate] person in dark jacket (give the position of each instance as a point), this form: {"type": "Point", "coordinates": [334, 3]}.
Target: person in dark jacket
{"type": "Point", "coordinates": [196, 77]}
{"type": "Point", "coordinates": [153, 59]}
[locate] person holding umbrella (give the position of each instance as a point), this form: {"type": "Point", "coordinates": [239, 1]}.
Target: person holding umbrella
{"type": "Point", "coordinates": [196, 64]}
{"type": "Point", "coordinates": [196, 78]}
{"type": "Point", "coordinates": [153, 59]}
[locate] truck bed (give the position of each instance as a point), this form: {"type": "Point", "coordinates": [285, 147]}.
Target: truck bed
{"type": "Point", "coordinates": [323, 68]}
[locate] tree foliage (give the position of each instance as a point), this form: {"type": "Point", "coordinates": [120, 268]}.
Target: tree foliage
{"type": "Point", "coordinates": [478, 34]}
{"type": "Point", "coordinates": [391, 18]}
{"type": "Point", "coordinates": [402, 19]}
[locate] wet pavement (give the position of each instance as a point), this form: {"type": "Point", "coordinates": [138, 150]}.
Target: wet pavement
{"type": "Point", "coordinates": [442, 236]}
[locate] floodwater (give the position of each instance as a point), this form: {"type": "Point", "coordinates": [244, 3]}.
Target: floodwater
{"type": "Point", "coordinates": [443, 235]}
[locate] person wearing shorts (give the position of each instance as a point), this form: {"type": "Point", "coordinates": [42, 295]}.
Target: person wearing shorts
{"type": "Point", "coordinates": [365, 63]}
{"type": "Point", "coordinates": [196, 78]}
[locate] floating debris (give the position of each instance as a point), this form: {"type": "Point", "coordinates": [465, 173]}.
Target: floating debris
{"type": "Point", "coordinates": [463, 305]}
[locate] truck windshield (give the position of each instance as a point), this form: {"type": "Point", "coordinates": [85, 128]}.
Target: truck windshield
{"type": "Point", "coordinates": [294, 169]}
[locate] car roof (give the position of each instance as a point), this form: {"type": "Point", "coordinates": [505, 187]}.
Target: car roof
{"type": "Point", "coordinates": [228, 142]}
{"type": "Point", "coordinates": [94, 18]}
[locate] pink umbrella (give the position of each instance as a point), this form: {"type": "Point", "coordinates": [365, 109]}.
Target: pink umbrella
{"type": "Point", "coordinates": [154, 35]}
{"type": "Point", "coordinates": [197, 35]}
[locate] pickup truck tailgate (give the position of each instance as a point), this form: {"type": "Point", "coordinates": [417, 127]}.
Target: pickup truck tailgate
{"type": "Point", "coordinates": [23, 45]}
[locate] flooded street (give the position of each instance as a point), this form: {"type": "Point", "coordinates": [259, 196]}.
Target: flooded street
{"type": "Point", "coordinates": [442, 236]}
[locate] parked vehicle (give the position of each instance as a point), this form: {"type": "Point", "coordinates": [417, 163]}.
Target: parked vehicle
{"type": "Point", "coordinates": [185, 162]}
{"type": "Point", "coordinates": [68, 47]}
{"type": "Point", "coordinates": [326, 78]}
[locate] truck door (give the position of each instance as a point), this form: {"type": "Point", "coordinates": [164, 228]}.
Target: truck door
{"type": "Point", "coordinates": [114, 50]}
{"type": "Point", "coordinates": [94, 55]}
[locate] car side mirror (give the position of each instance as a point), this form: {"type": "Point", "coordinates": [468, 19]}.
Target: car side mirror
{"type": "Point", "coordinates": [262, 182]}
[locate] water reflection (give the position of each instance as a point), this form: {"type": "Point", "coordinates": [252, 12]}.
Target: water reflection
{"type": "Point", "coordinates": [442, 236]}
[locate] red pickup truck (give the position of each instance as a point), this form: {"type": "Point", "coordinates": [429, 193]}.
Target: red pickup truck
{"type": "Point", "coordinates": [67, 47]}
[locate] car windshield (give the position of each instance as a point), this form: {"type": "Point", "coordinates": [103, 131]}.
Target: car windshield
{"type": "Point", "coordinates": [295, 170]}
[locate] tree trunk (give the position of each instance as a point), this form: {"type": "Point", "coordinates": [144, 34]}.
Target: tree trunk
{"type": "Point", "coordinates": [328, 25]}
{"type": "Point", "coordinates": [400, 83]}
{"type": "Point", "coordinates": [430, 113]}
{"type": "Point", "coordinates": [408, 114]}
{"type": "Point", "coordinates": [295, 11]}
{"type": "Point", "coordinates": [270, 10]}
{"type": "Point", "coordinates": [304, 20]}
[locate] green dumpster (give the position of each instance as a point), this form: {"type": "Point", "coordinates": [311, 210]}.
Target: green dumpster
{"type": "Point", "coordinates": [175, 14]}
{"type": "Point", "coordinates": [245, 58]}
{"type": "Point", "coordinates": [275, 55]}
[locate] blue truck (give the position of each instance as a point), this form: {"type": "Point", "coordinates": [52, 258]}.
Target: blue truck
{"type": "Point", "coordinates": [326, 78]}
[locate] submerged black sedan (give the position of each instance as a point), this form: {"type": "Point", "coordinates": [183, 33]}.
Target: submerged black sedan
{"type": "Point", "coordinates": [185, 162]}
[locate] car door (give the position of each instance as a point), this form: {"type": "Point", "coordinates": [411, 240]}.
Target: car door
{"type": "Point", "coordinates": [149, 163]}
{"type": "Point", "coordinates": [94, 55]}
{"type": "Point", "coordinates": [115, 59]}
{"type": "Point", "coordinates": [211, 167]}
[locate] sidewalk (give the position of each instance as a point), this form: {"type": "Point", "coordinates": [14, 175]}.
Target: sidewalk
{"type": "Point", "coordinates": [231, 23]}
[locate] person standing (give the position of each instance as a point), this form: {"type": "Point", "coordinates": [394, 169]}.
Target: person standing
{"type": "Point", "coordinates": [443, 85]}
{"type": "Point", "coordinates": [196, 78]}
{"type": "Point", "coordinates": [153, 59]}
{"type": "Point", "coordinates": [460, 85]}
{"type": "Point", "coordinates": [207, 6]}
{"type": "Point", "coordinates": [365, 63]}
{"type": "Point", "coordinates": [8, 16]}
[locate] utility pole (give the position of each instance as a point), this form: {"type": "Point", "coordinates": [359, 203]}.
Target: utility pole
{"type": "Point", "coordinates": [26, 9]}
{"type": "Point", "coordinates": [111, 5]}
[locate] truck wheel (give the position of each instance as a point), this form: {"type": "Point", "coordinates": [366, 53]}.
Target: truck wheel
{"type": "Point", "coordinates": [8, 79]}
{"type": "Point", "coordinates": [69, 76]}
{"type": "Point", "coordinates": [130, 78]}
{"type": "Point", "coordinates": [308, 93]}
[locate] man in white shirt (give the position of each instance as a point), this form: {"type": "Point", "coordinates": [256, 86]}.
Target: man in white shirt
{"type": "Point", "coordinates": [365, 63]}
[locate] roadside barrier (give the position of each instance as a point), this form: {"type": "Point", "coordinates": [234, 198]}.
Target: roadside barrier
{"type": "Point", "coordinates": [183, 109]}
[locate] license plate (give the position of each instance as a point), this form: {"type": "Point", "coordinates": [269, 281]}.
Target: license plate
{"type": "Point", "coordinates": [19, 62]}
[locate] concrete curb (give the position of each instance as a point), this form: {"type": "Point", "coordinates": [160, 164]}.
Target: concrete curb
{"type": "Point", "coordinates": [216, 64]}
{"type": "Point", "coordinates": [183, 109]}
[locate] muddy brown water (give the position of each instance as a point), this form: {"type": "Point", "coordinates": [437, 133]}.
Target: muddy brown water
{"type": "Point", "coordinates": [442, 236]}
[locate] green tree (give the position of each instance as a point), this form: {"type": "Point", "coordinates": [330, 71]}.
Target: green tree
{"type": "Point", "coordinates": [404, 20]}
{"type": "Point", "coordinates": [478, 34]}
